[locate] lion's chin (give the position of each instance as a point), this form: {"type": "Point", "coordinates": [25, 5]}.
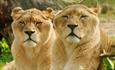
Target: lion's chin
{"type": "Point", "coordinates": [29, 44]}
{"type": "Point", "coordinates": [72, 39]}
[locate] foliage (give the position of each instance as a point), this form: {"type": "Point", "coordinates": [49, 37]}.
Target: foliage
{"type": "Point", "coordinates": [108, 64]}
{"type": "Point", "coordinates": [5, 53]}
{"type": "Point", "coordinates": [4, 46]}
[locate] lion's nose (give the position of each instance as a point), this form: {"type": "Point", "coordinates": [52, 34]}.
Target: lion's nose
{"type": "Point", "coordinates": [72, 26]}
{"type": "Point", "coordinates": [29, 32]}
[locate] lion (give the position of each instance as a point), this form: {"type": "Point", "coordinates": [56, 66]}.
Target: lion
{"type": "Point", "coordinates": [80, 41]}
{"type": "Point", "coordinates": [33, 38]}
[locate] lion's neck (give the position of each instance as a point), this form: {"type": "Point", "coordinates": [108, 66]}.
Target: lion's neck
{"type": "Point", "coordinates": [69, 48]}
{"type": "Point", "coordinates": [30, 52]}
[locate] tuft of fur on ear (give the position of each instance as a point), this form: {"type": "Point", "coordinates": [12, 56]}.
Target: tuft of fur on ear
{"type": "Point", "coordinates": [16, 12]}
{"type": "Point", "coordinates": [49, 13]}
{"type": "Point", "coordinates": [49, 9]}
{"type": "Point", "coordinates": [96, 10]}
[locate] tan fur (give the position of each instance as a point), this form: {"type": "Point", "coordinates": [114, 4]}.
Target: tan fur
{"type": "Point", "coordinates": [31, 54]}
{"type": "Point", "coordinates": [9, 66]}
{"type": "Point", "coordinates": [49, 13]}
{"type": "Point", "coordinates": [81, 52]}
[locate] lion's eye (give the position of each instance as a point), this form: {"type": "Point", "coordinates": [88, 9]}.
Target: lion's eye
{"type": "Point", "coordinates": [22, 23]}
{"type": "Point", "coordinates": [83, 16]}
{"type": "Point", "coordinates": [66, 17]}
{"type": "Point", "coordinates": [38, 23]}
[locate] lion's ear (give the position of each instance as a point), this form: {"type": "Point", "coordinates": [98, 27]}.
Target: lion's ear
{"type": "Point", "coordinates": [49, 13]}
{"type": "Point", "coordinates": [50, 10]}
{"type": "Point", "coordinates": [16, 12]}
{"type": "Point", "coordinates": [96, 10]}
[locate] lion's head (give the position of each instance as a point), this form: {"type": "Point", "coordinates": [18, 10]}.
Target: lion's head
{"type": "Point", "coordinates": [30, 27]}
{"type": "Point", "coordinates": [76, 23]}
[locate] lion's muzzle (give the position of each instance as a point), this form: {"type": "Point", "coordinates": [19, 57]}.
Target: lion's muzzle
{"type": "Point", "coordinates": [72, 27]}
{"type": "Point", "coordinates": [29, 33]}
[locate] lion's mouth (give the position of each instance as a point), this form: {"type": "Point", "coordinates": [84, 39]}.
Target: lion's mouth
{"type": "Point", "coordinates": [73, 35]}
{"type": "Point", "coordinates": [29, 39]}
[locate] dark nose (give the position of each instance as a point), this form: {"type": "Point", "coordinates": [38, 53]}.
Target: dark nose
{"type": "Point", "coordinates": [72, 26]}
{"type": "Point", "coordinates": [29, 32]}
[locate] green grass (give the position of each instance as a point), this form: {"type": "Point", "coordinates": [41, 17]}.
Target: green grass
{"type": "Point", "coordinates": [108, 64]}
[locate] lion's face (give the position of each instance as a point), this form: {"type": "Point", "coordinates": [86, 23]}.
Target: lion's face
{"type": "Point", "coordinates": [76, 23]}
{"type": "Point", "coordinates": [30, 27]}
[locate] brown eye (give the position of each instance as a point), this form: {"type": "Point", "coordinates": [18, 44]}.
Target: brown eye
{"type": "Point", "coordinates": [38, 23]}
{"type": "Point", "coordinates": [66, 17]}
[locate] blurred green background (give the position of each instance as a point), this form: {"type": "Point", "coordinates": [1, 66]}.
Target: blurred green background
{"type": "Point", "coordinates": [5, 53]}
